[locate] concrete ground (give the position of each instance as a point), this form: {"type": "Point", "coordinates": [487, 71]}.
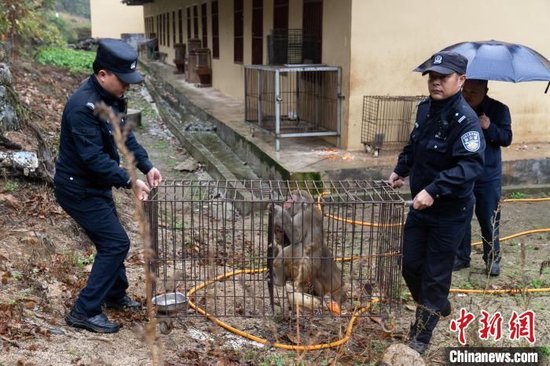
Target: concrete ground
{"type": "Point", "coordinates": [524, 164]}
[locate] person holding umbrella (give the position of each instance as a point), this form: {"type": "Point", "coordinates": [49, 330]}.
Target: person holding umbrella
{"type": "Point", "coordinates": [496, 123]}
{"type": "Point", "coordinates": [443, 158]}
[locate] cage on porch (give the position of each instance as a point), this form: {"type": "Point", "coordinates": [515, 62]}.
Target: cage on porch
{"type": "Point", "coordinates": [294, 100]}
{"type": "Point", "coordinates": [387, 121]}
{"type": "Point", "coordinates": [292, 46]}
{"type": "Point", "coordinates": [214, 242]}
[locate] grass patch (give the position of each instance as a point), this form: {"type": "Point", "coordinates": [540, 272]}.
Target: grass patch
{"type": "Point", "coordinates": [517, 195]}
{"type": "Point", "coordinates": [76, 61]}
{"type": "Point", "coordinates": [538, 283]}
{"type": "Point", "coordinates": [82, 261]}
{"type": "Point", "coordinates": [11, 186]}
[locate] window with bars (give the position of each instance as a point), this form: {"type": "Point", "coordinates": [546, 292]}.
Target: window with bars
{"type": "Point", "coordinates": [280, 14]}
{"type": "Point", "coordinates": [215, 31]}
{"type": "Point", "coordinates": [238, 31]}
{"type": "Point", "coordinates": [312, 22]}
{"type": "Point", "coordinates": [162, 29]}
{"type": "Point", "coordinates": [180, 25]}
{"type": "Point", "coordinates": [158, 29]}
{"type": "Point", "coordinates": [167, 29]}
{"type": "Point", "coordinates": [189, 23]}
{"type": "Point", "coordinates": [195, 21]}
{"type": "Point", "coordinates": [174, 41]}
{"type": "Point", "coordinates": [257, 31]}
{"type": "Point", "coordinates": [204, 25]}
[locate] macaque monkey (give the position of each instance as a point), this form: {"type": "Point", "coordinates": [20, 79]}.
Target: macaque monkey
{"type": "Point", "coordinates": [301, 222]}
{"type": "Point", "coordinates": [306, 260]}
{"type": "Point", "coordinates": [300, 218]}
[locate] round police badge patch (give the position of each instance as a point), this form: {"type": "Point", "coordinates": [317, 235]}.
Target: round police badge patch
{"type": "Point", "coordinates": [471, 141]}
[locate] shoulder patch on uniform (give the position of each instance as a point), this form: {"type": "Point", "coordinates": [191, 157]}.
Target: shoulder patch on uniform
{"type": "Point", "coordinates": [471, 141]}
{"type": "Point", "coordinates": [90, 105]}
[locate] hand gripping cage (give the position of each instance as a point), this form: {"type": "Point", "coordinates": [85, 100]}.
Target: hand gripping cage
{"type": "Point", "coordinates": [214, 241]}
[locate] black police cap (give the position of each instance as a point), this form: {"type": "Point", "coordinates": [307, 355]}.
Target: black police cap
{"type": "Point", "coordinates": [445, 63]}
{"type": "Point", "coordinates": [120, 58]}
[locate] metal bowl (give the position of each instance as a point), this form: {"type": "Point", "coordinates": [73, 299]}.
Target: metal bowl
{"type": "Point", "coordinates": [170, 302]}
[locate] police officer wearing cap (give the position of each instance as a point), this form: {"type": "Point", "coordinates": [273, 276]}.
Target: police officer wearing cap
{"type": "Point", "coordinates": [87, 168]}
{"type": "Point", "coordinates": [496, 124]}
{"type": "Point", "coordinates": [442, 159]}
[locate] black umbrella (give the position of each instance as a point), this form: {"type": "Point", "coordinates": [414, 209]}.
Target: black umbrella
{"type": "Point", "coordinates": [502, 61]}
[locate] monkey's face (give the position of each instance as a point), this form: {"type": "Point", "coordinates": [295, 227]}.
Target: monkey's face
{"type": "Point", "coordinates": [295, 197]}
{"type": "Point", "coordinates": [279, 235]}
{"type": "Point", "coordinates": [289, 203]}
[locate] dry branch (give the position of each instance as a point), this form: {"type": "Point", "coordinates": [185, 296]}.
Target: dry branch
{"type": "Point", "coordinates": [107, 112]}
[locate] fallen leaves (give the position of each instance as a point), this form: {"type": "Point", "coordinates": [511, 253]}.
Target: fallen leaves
{"type": "Point", "coordinates": [10, 200]}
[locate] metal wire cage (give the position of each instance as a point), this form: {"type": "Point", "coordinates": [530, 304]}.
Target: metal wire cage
{"type": "Point", "coordinates": [294, 100]}
{"type": "Point", "coordinates": [212, 242]}
{"type": "Point", "coordinates": [292, 46]}
{"type": "Point", "coordinates": [387, 121]}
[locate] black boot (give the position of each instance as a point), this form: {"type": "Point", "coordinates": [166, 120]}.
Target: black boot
{"type": "Point", "coordinates": [458, 265]}
{"type": "Point", "coordinates": [98, 323]}
{"type": "Point", "coordinates": [421, 331]}
{"type": "Point", "coordinates": [492, 264]}
{"type": "Point", "coordinates": [125, 303]}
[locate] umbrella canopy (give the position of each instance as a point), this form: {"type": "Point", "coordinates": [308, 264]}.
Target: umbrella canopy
{"type": "Point", "coordinates": [495, 60]}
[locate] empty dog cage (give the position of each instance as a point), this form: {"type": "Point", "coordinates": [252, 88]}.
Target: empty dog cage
{"type": "Point", "coordinates": [294, 101]}
{"type": "Point", "coordinates": [216, 242]}
{"type": "Point", "coordinates": [387, 121]}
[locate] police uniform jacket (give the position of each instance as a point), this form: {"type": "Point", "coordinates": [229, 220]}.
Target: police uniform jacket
{"type": "Point", "coordinates": [445, 151]}
{"type": "Point", "coordinates": [498, 134]}
{"type": "Point", "coordinates": [88, 155]}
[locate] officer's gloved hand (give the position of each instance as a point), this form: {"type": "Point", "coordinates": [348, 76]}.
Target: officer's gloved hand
{"type": "Point", "coordinates": [141, 190]}
{"type": "Point", "coordinates": [154, 177]}
{"type": "Point", "coordinates": [395, 181]}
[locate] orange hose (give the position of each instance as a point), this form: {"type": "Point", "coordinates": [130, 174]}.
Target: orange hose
{"type": "Point", "coordinates": [254, 338]}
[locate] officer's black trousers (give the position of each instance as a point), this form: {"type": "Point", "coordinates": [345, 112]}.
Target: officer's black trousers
{"type": "Point", "coordinates": [431, 238]}
{"type": "Point", "coordinates": [94, 210]}
{"type": "Point", "coordinates": [488, 215]}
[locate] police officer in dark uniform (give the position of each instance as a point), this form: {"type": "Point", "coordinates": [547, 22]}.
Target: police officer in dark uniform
{"type": "Point", "coordinates": [442, 159]}
{"type": "Point", "coordinates": [86, 170]}
{"type": "Point", "coordinates": [496, 125]}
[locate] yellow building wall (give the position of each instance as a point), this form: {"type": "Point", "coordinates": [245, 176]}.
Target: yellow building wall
{"type": "Point", "coordinates": [389, 38]}
{"type": "Point", "coordinates": [227, 75]}
{"type": "Point", "coordinates": [336, 52]}
{"type": "Point", "coordinates": [111, 18]}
